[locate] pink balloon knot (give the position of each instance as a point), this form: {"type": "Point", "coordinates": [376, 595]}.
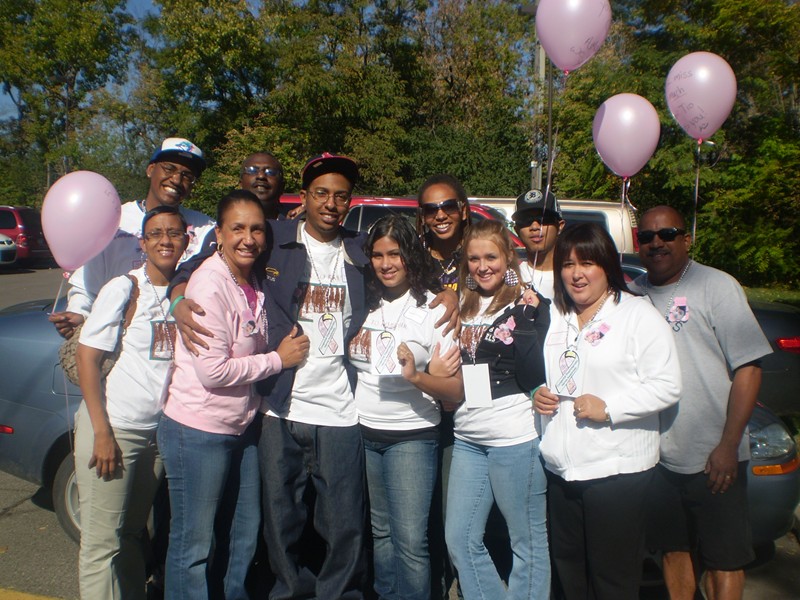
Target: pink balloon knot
{"type": "Point", "coordinates": [66, 274]}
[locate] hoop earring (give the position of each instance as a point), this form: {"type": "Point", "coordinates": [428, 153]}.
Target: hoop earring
{"type": "Point", "coordinates": [511, 278]}
{"type": "Point", "coordinates": [470, 282]}
{"type": "Point", "coordinates": [219, 249]}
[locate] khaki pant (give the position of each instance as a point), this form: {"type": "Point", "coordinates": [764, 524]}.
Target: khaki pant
{"type": "Point", "coordinates": [114, 513]}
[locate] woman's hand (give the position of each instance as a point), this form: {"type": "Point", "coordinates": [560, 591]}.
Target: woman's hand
{"type": "Point", "coordinates": [293, 349]}
{"type": "Point", "coordinates": [444, 365]}
{"type": "Point", "coordinates": [406, 359]}
{"type": "Point", "coordinates": [545, 402]}
{"type": "Point", "coordinates": [589, 406]}
{"type": "Point", "coordinates": [106, 454]}
{"type": "Point", "coordinates": [190, 331]}
{"type": "Point", "coordinates": [529, 297]}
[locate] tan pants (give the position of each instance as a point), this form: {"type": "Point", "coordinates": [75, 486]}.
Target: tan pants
{"type": "Point", "coordinates": [114, 513]}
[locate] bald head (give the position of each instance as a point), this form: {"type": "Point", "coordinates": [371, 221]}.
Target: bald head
{"type": "Point", "coordinates": [666, 211]}
{"type": "Point", "coordinates": [262, 174]}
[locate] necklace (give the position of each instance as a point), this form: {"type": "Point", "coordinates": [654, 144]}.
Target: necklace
{"type": "Point", "coordinates": [477, 328]}
{"type": "Point", "coordinates": [244, 296]}
{"type": "Point", "coordinates": [392, 326]}
{"type": "Point", "coordinates": [449, 267]}
{"type": "Point", "coordinates": [163, 314]}
{"type": "Point", "coordinates": [329, 286]}
{"type": "Point", "coordinates": [674, 290]}
{"type": "Point", "coordinates": [579, 328]}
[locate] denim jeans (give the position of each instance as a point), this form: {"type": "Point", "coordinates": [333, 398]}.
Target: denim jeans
{"type": "Point", "coordinates": [293, 456]}
{"type": "Point", "coordinates": [214, 494]}
{"type": "Point", "coordinates": [512, 476]}
{"type": "Point", "coordinates": [400, 480]}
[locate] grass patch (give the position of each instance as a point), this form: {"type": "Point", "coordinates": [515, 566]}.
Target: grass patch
{"type": "Point", "coordinates": [774, 295]}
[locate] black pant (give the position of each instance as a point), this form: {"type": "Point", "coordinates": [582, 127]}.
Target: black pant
{"type": "Point", "coordinates": [597, 531]}
{"type": "Point", "coordinates": [292, 455]}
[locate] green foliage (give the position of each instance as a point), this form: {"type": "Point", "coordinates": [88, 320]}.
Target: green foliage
{"type": "Point", "coordinates": [408, 88]}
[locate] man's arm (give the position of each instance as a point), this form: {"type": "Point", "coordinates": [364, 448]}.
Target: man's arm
{"type": "Point", "coordinates": [723, 462]}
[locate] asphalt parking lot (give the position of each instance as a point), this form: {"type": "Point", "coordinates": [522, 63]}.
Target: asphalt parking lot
{"type": "Point", "coordinates": [38, 560]}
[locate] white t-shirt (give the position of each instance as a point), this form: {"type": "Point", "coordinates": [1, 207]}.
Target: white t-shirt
{"type": "Point", "coordinates": [123, 254]}
{"type": "Point", "coordinates": [390, 402]}
{"type": "Point", "coordinates": [321, 394]}
{"type": "Point", "coordinates": [509, 420]}
{"type": "Point", "coordinates": [133, 387]}
{"type": "Point", "coordinates": [542, 280]}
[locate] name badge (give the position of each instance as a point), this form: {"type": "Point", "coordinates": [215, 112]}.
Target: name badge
{"type": "Point", "coordinates": [477, 388]}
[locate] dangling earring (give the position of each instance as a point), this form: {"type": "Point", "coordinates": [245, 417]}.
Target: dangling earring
{"type": "Point", "coordinates": [471, 283]}
{"type": "Point", "coordinates": [511, 278]}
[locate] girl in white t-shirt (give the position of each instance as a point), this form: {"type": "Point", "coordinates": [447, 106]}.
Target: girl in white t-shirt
{"type": "Point", "coordinates": [496, 452]}
{"type": "Point", "coordinates": [117, 465]}
{"type": "Point", "coordinates": [397, 404]}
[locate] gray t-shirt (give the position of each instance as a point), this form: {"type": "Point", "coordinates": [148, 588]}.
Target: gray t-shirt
{"type": "Point", "coordinates": [715, 332]}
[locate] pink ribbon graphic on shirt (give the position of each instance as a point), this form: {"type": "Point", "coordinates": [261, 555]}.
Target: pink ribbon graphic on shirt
{"type": "Point", "coordinates": [385, 343]}
{"type": "Point", "coordinates": [327, 327]}
{"type": "Point", "coordinates": [568, 363]}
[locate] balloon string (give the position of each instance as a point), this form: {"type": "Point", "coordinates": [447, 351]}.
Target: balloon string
{"type": "Point", "coordinates": [696, 193]}
{"type": "Point", "coordinates": [552, 143]}
{"type": "Point", "coordinates": [624, 202]}
{"type": "Point", "coordinates": [58, 293]}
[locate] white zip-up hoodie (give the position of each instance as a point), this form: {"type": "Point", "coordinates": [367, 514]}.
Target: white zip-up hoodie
{"type": "Point", "coordinates": [627, 357]}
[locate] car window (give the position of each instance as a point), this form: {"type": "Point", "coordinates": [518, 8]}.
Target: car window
{"type": "Point", "coordinates": [7, 220]}
{"type": "Point", "coordinates": [370, 214]}
{"type": "Point", "coordinates": [574, 218]}
{"type": "Point", "coordinates": [31, 219]}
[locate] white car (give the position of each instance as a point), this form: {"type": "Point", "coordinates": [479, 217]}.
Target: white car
{"type": "Point", "coordinates": [8, 250]}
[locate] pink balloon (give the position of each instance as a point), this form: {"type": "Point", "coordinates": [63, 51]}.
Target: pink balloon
{"type": "Point", "coordinates": [626, 131]}
{"type": "Point", "coordinates": [80, 216]}
{"type": "Point", "coordinates": [572, 31]}
{"type": "Point", "coordinates": [701, 90]}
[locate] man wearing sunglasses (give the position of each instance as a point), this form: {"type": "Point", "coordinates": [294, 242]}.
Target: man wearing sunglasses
{"type": "Point", "coordinates": [538, 221]}
{"type": "Point", "coordinates": [175, 166]}
{"type": "Point", "coordinates": [262, 174]}
{"type": "Point", "coordinates": [698, 499]}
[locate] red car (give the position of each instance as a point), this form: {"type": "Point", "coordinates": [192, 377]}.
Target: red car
{"type": "Point", "coordinates": [365, 210]}
{"type": "Point", "coordinates": [23, 224]}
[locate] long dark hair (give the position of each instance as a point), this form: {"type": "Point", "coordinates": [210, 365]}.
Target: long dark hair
{"type": "Point", "coordinates": [590, 242]}
{"type": "Point", "coordinates": [418, 263]}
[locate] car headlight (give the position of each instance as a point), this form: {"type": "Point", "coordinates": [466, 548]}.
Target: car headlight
{"type": "Point", "coordinates": [770, 442]}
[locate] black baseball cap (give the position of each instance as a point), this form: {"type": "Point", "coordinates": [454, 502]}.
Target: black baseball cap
{"type": "Point", "coordinates": [329, 163]}
{"type": "Point", "coordinates": [534, 202]}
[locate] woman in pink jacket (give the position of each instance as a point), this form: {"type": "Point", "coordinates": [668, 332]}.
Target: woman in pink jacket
{"type": "Point", "coordinates": [207, 434]}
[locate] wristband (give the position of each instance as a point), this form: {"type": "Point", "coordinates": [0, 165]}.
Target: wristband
{"type": "Point", "coordinates": [536, 389]}
{"type": "Point", "coordinates": [174, 304]}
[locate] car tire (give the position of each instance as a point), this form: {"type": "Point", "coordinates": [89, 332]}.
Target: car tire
{"type": "Point", "coordinates": [65, 498]}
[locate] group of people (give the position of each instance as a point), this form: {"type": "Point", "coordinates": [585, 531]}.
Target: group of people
{"type": "Point", "coordinates": [388, 391]}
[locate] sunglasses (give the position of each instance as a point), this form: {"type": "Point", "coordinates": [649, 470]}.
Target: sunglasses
{"type": "Point", "coordinates": [267, 171]}
{"type": "Point", "coordinates": [667, 234]}
{"type": "Point", "coordinates": [448, 206]}
{"type": "Point", "coordinates": [528, 220]}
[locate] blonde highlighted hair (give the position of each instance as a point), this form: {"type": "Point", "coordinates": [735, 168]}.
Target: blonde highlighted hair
{"type": "Point", "coordinates": [495, 232]}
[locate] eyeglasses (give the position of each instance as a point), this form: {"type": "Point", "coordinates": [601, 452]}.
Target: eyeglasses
{"type": "Point", "coordinates": [157, 234]}
{"type": "Point", "coordinates": [322, 196]}
{"type": "Point", "coordinates": [451, 206]}
{"type": "Point", "coordinates": [170, 170]}
{"type": "Point", "coordinates": [267, 171]}
{"type": "Point", "coordinates": [667, 234]}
